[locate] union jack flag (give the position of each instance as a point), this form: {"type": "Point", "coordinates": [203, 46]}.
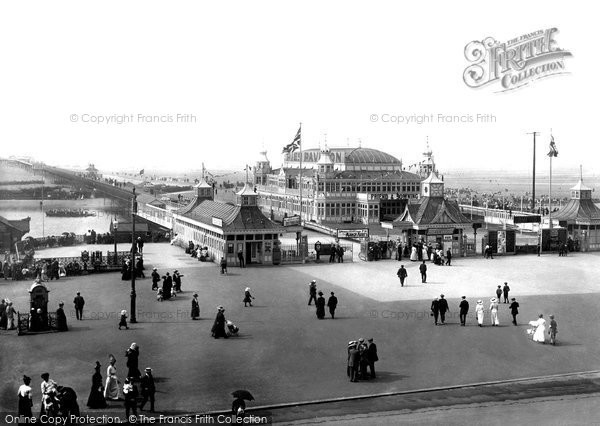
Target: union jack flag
{"type": "Point", "coordinates": [553, 151]}
{"type": "Point", "coordinates": [295, 144]}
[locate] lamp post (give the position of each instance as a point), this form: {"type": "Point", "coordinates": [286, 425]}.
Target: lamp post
{"type": "Point", "coordinates": [133, 251]}
{"type": "Point", "coordinates": [115, 227]}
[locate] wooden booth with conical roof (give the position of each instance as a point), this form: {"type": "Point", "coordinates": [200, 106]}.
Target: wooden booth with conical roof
{"type": "Point", "coordinates": [433, 219]}
{"type": "Point", "coordinates": [581, 217]}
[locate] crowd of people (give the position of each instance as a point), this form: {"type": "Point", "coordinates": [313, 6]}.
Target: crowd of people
{"type": "Point", "coordinates": [60, 400]}
{"type": "Point", "coordinates": [439, 308]}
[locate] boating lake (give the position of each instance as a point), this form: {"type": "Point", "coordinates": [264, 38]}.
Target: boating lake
{"type": "Point", "coordinates": [41, 225]}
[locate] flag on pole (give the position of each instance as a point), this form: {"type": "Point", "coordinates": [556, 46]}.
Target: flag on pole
{"type": "Point", "coordinates": [141, 172]}
{"type": "Point", "coordinates": [295, 144]}
{"type": "Point", "coordinates": [553, 151]}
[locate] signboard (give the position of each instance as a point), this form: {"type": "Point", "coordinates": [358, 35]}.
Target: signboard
{"type": "Point", "coordinates": [527, 219]}
{"type": "Point", "coordinates": [217, 222]}
{"type": "Point", "coordinates": [353, 233]}
{"type": "Point", "coordinates": [440, 231]}
{"type": "Point", "coordinates": [447, 237]}
{"type": "Point", "coordinates": [387, 225]}
{"type": "Point", "coordinates": [290, 221]}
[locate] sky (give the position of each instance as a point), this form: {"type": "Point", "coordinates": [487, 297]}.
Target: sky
{"type": "Point", "coordinates": [243, 75]}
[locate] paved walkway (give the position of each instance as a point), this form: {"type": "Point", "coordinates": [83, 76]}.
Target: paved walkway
{"type": "Point", "coordinates": [285, 354]}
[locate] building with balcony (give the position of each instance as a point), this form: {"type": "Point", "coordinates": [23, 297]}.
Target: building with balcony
{"type": "Point", "coordinates": [337, 185]}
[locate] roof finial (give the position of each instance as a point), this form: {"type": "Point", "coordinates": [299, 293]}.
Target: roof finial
{"type": "Point", "coordinates": [359, 143]}
{"type": "Point", "coordinates": [581, 173]}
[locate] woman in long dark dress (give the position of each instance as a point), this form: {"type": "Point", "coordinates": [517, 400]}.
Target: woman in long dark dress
{"type": "Point", "coordinates": [132, 354]}
{"type": "Point", "coordinates": [218, 328]}
{"type": "Point", "coordinates": [167, 286]}
{"type": "Point", "coordinates": [96, 398]}
{"type": "Point", "coordinates": [320, 303]}
{"type": "Point", "coordinates": [195, 307]}
{"type": "Point", "coordinates": [61, 318]}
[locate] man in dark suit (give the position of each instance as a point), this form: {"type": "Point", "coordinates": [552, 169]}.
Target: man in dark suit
{"type": "Point", "coordinates": [423, 270]}
{"type": "Point", "coordinates": [155, 279]}
{"type": "Point", "coordinates": [464, 309]}
{"type": "Point", "coordinates": [148, 389]}
{"type": "Point", "coordinates": [435, 309]}
{"type": "Point", "coordinates": [505, 290]}
{"type": "Point", "coordinates": [353, 361]}
{"type": "Point", "coordinates": [372, 356]}
{"type": "Point", "coordinates": [79, 302]}
{"type": "Point", "coordinates": [448, 257]}
{"type": "Point", "coordinates": [443, 306]}
{"type": "Point", "coordinates": [402, 274]}
{"type": "Point", "coordinates": [332, 304]}
{"type": "Point", "coordinates": [514, 310]}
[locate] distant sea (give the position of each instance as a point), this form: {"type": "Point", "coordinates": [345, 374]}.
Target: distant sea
{"type": "Point", "coordinates": [518, 183]}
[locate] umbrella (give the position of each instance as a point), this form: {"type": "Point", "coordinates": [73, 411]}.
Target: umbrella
{"type": "Point", "coordinates": [243, 394]}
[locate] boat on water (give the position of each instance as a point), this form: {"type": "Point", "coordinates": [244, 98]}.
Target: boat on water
{"type": "Point", "coordinates": [69, 213]}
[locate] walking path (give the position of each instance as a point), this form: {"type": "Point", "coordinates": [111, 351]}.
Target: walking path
{"type": "Point", "coordinates": [284, 353]}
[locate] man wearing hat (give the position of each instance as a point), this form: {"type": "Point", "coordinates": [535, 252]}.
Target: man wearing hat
{"type": "Point", "coordinates": [443, 305]}
{"type": "Point", "coordinates": [435, 310]}
{"type": "Point", "coordinates": [402, 274]}
{"type": "Point", "coordinates": [148, 389]}
{"type": "Point", "coordinates": [364, 359]}
{"type": "Point", "coordinates": [514, 310]}
{"type": "Point", "coordinates": [372, 356]}
{"type": "Point", "coordinates": [312, 291]}
{"type": "Point", "coordinates": [195, 307]}
{"type": "Point", "coordinates": [320, 304]}
{"type": "Point", "coordinates": [332, 304]}
{"type": "Point", "coordinates": [353, 361]}
{"type": "Point", "coordinates": [177, 281]}
{"type": "Point", "coordinates": [155, 279]}
{"type": "Point", "coordinates": [61, 318]}
{"type": "Point", "coordinates": [464, 309]}
{"type": "Point", "coordinates": [79, 302]}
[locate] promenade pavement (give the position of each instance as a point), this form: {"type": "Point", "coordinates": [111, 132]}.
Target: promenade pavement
{"type": "Point", "coordinates": [284, 353]}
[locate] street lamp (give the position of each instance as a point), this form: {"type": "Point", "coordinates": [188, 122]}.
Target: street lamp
{"type": "Point", "coordinates": [133, 251]}
{"type": "Point", "coordinates": [115, 227]}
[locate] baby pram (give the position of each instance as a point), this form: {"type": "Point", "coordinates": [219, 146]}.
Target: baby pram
{"type": "Point", "coordinates": [232, 329]}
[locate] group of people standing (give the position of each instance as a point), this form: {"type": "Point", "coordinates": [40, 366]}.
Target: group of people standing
{"type": "Point", "coordinates": [439, 307]}
{"type": "Point", "coordinates": [360, 356]}
{"type": "Point", "coordinates": [332, 302]}
{"type": "Point", "coordinates": [100, 391]}
{"type": "Point", "coordinates": [99, 394]}
{"type": "Point", "coordinates": [171, 285]}
{"type": "Point", "coordinates": [8, 315]}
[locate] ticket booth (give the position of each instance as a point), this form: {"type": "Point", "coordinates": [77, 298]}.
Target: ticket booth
{"type": "Point", "coordinates": [38, 299]}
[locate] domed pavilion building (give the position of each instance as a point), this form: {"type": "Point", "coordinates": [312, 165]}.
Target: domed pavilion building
{"type": "Point", "coordinates": [338, 185]}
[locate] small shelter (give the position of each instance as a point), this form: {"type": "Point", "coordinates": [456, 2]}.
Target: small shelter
{"type": "Point", "coordinates": [433, 219]}
{"type": "Point", "coordinates": [581, 217]}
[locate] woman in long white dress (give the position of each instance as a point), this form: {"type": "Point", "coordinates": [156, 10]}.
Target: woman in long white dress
{"type": "Point", "coordinates": [539, 329]}
{"type": "Point", "coordinates": [111, 390]}
{"type": "Point", "coordinates": [413, 254]}
{"type": "Point", "coordinates": [479, 311]}
{"type": "Point", "coordinates": [494, 312]}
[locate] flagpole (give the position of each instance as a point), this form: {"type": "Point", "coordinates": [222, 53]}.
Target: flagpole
{"type": "Point", "coordinates": [550, 196]}
{"type": "Point", "coordinates": [300, 143]}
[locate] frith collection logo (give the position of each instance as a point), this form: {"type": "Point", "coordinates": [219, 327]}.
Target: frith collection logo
{"type": "Point", "coordinates": [516, 62]}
